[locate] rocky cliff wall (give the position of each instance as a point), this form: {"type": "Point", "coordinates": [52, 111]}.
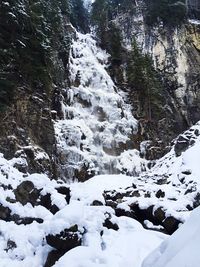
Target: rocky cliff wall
{"type": "Point", "coordinates": [176, 56]}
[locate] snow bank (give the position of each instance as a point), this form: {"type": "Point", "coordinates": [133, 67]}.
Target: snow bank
{"type": "Point", "coordinates": [181, 249]}
{"type": "Point", "coordinates": [126, 247]}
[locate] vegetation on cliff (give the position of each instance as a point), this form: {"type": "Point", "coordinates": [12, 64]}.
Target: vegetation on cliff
{"type": "Point", "coordinates": [144, 83]}
{"type": "Point", "coordinates": [170, 12]}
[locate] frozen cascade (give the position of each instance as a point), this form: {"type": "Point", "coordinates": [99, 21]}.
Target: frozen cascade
{"type": "Point", "coordinates": [95, 135]}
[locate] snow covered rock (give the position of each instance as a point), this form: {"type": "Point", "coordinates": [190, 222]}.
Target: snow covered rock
{"type": "Point", "coordinates": [66, 239]}
{"type": "Point", "coordinates": [26, 192]}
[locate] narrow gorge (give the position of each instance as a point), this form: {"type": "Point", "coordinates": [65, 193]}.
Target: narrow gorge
{"type": "Point", "coordinates": [99, 133]}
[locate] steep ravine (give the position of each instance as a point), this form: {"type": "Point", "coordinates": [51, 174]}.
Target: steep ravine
{"type": "Point", "coordinates": [55, 208]}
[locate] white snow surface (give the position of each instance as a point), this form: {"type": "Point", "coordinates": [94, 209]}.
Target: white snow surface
{"type": "Point", "coordinates": [194, 21]}
{"type": "Point", "coordinates": [126, 247]}
{"type": "Point", "coordinates": [129, 245]}
{"type": "Point", "coordinates": [88, 4]}
{"type": "Point", "coordinates": [181, 249]}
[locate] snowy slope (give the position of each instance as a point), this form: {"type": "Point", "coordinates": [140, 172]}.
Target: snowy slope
{"type": "Point", "coordinates": [24, 244]}
{"type": "Point", "coordinates": [100, 244]}
{"type": "Point", "coordinates": [181, 249]}
{"type": "Point", "coordinates": [167, 193]}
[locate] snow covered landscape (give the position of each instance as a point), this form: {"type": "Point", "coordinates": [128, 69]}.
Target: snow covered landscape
{"type": "Point", "coordinates": [105, 239]}
{"type": "Point", "coordinates": [101, 202]}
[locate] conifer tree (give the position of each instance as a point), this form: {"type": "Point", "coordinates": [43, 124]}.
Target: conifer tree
{"type": "Point", "coordinates": [143, 81]}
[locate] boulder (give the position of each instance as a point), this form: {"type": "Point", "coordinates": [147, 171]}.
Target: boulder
{"type": "Point", "coordinates": [65, 240]}
{"type": "Point", "coordinates": [45, 201]}
{"type": "Point", "coordinates": [159, 215]}
{"type": "Point", "coordinates": [4, 213]}
{"type": "Point", "coordinates": [64, 191]}
{"type": "Point", "coordinates": [52, 257]}
{"type": "Point", "coordinates": [110, 225]}
{"type": "Point", "coordinates": [160, 194]}
{"type": "Point", "coordinates": [97, 203]}
{"type": "Point", "coordinates": [181, 145]}
{"type": "Point", "coordinates": [121, 212]}
{"type": "Point", "coordinates": [27, 193]}
{"type": "Point", "coordinates": [171, 224]}
{"type": "Point", "coordinates": [10, 245]}
{"type": "Point", "coordinates": [196, 202]}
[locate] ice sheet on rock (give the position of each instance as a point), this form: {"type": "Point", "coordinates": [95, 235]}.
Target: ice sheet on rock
{"type": "Point", "coordinates": [98, 122]}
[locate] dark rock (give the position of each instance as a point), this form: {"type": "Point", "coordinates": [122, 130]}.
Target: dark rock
{"type": "Point", "coordinates": [160, 194]}
{"type": "Point", "coordinates": [45, 201]}
{"type": "Point", "coordinates": [187, 172]}
{"type": "Point", "coordinates": [11, 200]}
{"type": "Point", "coordinates": [143, 214]}
{"type": "Point", "coordinates": [135, 193]}
{"type": "Point", "coordinates": [196, 132]}
{"type": "Point", "coordinates": [6, 187]}
{"type": "Point", "coordinates": [52, 257]}
{"type": "Point", "coordinates": [29, 152]}
{"type": "Point", "coordinates": [191, 189]}
{"type": "Point", "coordinates": [159, 215]}
{"type": "Point", "coordinates": [162, 181]}
{"type": "Point", "coordinates": [28, 220]}
{"type": "Point", "coordinates": [111, 204]}
{"type": "Point", "coordinates": [181, 145]}
{"type": "Point", "coordinates": [147, 195]}
{"type": "Point", "coordinates": [97, 203]}
{"type": "Point", "coordinates": [64, 191]}
{"type": "Point", "coordinates": [120, 212]}
{"type": "Point", "coordinates": [189, 207]}
{"type": "Point", "coordinates": [21, 167]}
{"type": "Point", "coordinates": [134, 186]}
{"type": "Point", "coordinates": [117, 196]}
{"type": "Point", "coordinates": [26, 192]}
{"type": "Point", "coordinates": [65, 240]}
{"type": "Point", "coordinates": [110, 225]}
{"type": "Point", "coordinates": [4, 213]}
{"type": "Point", "coordinates": [10, 245]}
{"type": "Point", "coordinates": [171, 224]}
{"type": "Point", "coordinates": [196, 202]}
{"type": "Point", "coordinates": [24, 220]}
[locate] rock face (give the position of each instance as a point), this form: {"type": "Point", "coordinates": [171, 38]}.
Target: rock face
{"type": "Point", "coordinates": [28, 132]}
{"type": "Point", "coordinates": [30, 72]}
{"type": "Point", "coordinates": [176, 57]}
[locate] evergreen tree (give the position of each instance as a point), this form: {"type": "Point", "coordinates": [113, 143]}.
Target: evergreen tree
{"type": "Point", "coordinates": [79, 16]}
{"type": "Point", "coordinates": [29, 32]}
{"type": "Point", "coordinates": [100, 16]}
{"type": "Point", "coordinates": [144, 82]}
{"type": "Point", "coordinates": [170, 12]}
